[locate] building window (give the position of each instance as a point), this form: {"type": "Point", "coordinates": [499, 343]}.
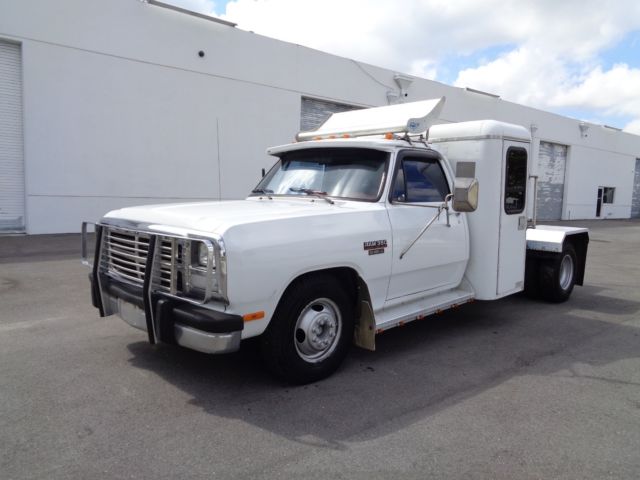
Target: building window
{"type": "Point", "coordinates": [607, 194]}
{"type": "Point", "coordinates": [515, 184]}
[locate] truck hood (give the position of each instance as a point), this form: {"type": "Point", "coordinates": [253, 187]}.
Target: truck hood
{"type": "Point", "coordinates": [218, 216]}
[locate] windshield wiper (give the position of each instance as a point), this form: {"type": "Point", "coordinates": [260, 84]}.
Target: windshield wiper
{"type": "Point", "coordinates": [264, 191]}
{"type": "Point", "coordinates": [314, 193]}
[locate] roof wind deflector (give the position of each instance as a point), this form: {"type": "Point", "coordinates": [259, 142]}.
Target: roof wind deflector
{"type": "Point", "coordinates": [410, 118]}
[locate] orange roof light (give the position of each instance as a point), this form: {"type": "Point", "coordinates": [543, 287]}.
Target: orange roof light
{"type": "Point", "coordinates": [388, 136]}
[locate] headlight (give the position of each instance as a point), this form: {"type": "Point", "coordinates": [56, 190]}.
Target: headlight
{"type": "Point", "coordinates": [202, 275]}
{"type": "Point", "coordinates": [191, 268]}
{"type": "Point", "coordinates": [203, 255]}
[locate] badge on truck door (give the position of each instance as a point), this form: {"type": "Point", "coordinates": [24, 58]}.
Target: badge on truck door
{"type": "Point", "coordinates": [375, 247]}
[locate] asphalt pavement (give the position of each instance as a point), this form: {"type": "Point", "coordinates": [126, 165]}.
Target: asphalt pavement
{"type": "Point", "coordinates": [511, 389]}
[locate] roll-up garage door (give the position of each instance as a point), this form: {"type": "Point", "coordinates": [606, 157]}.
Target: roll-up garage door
{"type": "Point", "coordinates": [315, 112]}
{"type": "Point", "coordinates": [635, 201]}
{"type": "Point", "coordinates": [11, 151]}
{"type": "Point", "coordinates": [552, 159]}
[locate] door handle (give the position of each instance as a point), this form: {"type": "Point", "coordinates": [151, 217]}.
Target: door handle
{"type": "Point", "coordinates": [522, 222]}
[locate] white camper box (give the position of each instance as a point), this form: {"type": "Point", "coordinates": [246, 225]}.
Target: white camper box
{"type": "Point", "coordinates": [500, 244]}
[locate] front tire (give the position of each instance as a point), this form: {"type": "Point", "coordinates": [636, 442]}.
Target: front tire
{"type": "Point", "coordinates": [558, 276]}
{"type": "Point", "coordinates": [311, 330]}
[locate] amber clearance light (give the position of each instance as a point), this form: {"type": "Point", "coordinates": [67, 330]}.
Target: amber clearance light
{"type": "Point", "coordinates": [253, 316]}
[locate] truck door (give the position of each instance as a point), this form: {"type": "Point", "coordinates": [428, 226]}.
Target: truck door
{"type": "Point", "coordinates": [513, 220]}
{"type": "Point", "coordinates": [438, 259]}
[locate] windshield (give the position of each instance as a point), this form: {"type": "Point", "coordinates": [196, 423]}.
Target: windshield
{"type": "Point", "coordinates": [353, 173]}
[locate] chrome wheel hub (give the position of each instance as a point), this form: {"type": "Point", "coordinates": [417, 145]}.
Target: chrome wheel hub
{"type": "Point", "coordinates": [317, 330]}
{"type": "Point", "coordinates": [566, 272]}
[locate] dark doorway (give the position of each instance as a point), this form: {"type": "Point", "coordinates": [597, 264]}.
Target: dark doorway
{"type": "Point", "coordinates": [599, 203]}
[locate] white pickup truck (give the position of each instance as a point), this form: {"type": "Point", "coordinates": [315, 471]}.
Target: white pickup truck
{"type": "Point", "coordinates": [360, 226]}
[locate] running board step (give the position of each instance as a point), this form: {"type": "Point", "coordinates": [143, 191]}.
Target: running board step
{"type": "Point", "coordinates": [399, 315]}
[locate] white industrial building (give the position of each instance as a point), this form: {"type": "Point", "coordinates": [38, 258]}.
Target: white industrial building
{"type": "Point", "coordinates": [108, 104]}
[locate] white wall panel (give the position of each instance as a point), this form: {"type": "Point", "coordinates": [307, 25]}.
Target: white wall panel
{"type": "Point", "coordinates": [588, 169]}
{"type": "Point", "coordinates": [142, 132]}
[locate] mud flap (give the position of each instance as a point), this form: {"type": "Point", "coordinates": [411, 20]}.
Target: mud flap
{"type": "Point", "coordinates": [364, 335]}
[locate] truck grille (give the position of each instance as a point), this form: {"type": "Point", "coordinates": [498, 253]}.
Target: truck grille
{"type": "Point", "coordinates": [125, 254]}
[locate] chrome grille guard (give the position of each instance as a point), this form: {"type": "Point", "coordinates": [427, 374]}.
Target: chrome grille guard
{"type": "Point", "coordinates": [123, 253]}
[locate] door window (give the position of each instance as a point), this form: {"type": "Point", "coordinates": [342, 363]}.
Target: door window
{"type": "Point", "coordinates": [420, 180]}
{"type": "Point", "coordinates": [515, 181]}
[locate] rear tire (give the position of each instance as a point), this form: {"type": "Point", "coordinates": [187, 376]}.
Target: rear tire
{"type": "Point", "coordinates": [311, 330]}
{"type": "Point", "coordinates": [558, 276]}
{"type": "Point", "coordinates": [532, 278]}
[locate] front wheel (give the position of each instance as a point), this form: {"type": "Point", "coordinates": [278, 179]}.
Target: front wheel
{"type": "Point", "coordinates": [558, 276]}
{"type": "Point", "coordinates": [310, 332]}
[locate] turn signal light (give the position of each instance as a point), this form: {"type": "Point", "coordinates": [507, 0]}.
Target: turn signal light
{"type": "Point", "coordinates": [253, 316]}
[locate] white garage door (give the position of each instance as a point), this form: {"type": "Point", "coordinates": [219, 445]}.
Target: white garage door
{"type": "Point", "coordinates": [314, 112]}
{"type": "Point", "coordinates": [11, 156]}
{"type": "Point", "coordinates": [635, 202]}
{"type": "Point", "coordinates": [552, 159]}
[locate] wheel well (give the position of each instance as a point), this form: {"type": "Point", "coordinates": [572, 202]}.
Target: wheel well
{"type": "Point", "coordinates": [358, 291]}
{"type": "Point", "coordinates": [346, 276]}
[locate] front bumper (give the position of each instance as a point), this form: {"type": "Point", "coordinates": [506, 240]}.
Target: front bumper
{"type": "Point", "coordinates": [174, 322]}
{"type": "Point", "coordinates": [165, 319]}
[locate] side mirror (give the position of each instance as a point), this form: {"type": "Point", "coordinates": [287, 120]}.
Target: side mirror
{"type": "Point", "coordinates": [465, 194]}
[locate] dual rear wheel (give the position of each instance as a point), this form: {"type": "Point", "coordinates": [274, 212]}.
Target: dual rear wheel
{"type": "Point", "coordinates": [553, 279]}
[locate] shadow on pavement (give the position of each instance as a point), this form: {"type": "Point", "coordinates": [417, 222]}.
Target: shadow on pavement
{"type": "Point", "coordinates": [416, 371]}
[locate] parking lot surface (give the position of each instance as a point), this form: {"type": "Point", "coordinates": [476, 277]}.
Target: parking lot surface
{"type": "Point", "coordinates": [502, 390]}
